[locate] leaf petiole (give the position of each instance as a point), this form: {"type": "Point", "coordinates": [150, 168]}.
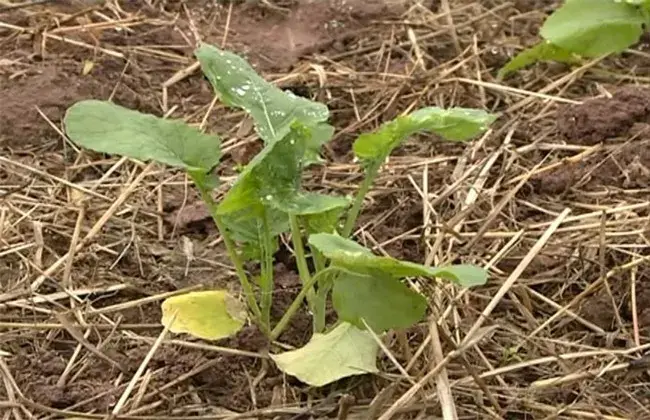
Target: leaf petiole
{"type": "Point", "coordinates": [266, 277]}
{"type": "Point", "coordinates": [232, 252]}
{"type": "Point", "coordinates": [371, 174]}
{"type": "Point", "coordinates": [320, 307]}
{"type": "Point", "coordinates": [301, 260]}
{"type": "Point", "coordinates": [295, 305]}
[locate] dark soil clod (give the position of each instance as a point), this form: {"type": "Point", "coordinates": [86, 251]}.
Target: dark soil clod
{"type": "Point", "coordinates": [598, 120]}
{"type": "Point", "coordinates": [369, 61]}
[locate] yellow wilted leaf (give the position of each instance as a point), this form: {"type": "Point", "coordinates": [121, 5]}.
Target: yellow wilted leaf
{"type": "Point", "coordinates": [209, 315]}
{"type": "Point", "coordinates": [88, 67]}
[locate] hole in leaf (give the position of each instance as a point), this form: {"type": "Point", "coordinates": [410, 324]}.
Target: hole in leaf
{"type": "Point", "coordinates": [300, 90]}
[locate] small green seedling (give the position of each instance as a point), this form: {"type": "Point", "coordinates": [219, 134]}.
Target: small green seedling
{"type": "Point", "coordinates": [585, 28]}
{"type": "Point", "coordinates": [267, 200]}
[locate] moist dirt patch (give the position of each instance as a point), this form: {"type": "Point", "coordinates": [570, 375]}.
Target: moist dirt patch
{"type": "Point", "coordinates": [276, 39]}
{"type": "Point", "coordinates": [49, 89]}
{"type": "Point", "coordinates": [221, 378]}
{"type": "Point", "coordinates": [600, 119]}
{"type": "Point", "coordinates": [604, 308]}
{"type": "Point", "coordinates": [369, 61]}
{"type": "Point", "coordinates": [621, 125]}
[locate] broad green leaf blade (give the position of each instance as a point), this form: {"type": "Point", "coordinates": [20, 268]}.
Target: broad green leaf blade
{"type": "Point", "coordinates": [209, 315]}
{"type": "Point", "coordinates": [247, 229]}
{"type": "Point", "coordinates": [304, 204]}
{"type": "Point", "coordinates": [466, 275]}
{"type": "Point", "coordinates": [544, 51]}
{"type": "Point", "coordinates": [272, 177]}
{"type": "Point", "coordinates": [320, 134]}
{"type": "Point", "coordinates": [383, 302]}
{"type": "Point", "coordinates": [592, 28]}
{"type": "Point", "coordinates": [350, 255]}
{"type": "Point", "coordinates": [327, 222]}
{"type": "Point", "coordinates": [244, 228]}
{"type": "Point", "coordinates": [274, 174]}
{"type": "Point", "coordinates": [108, 128]}
{"type": "Point", "coordinates": [272, 109]}
{"type": "Point", "coordinates": [321, 213]}
{"type": "Point", "coordinates": [456, 124]}
{"type": "Point", "coordinates": [342, 352]}
{"type": "Point", "coordinates": [203, 180]}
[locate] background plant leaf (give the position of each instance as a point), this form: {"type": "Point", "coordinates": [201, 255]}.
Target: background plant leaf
{"type": "Point", "coordinates": [351, 256]}
{"type": "Point", "coordinates": [457, 124]}
{"type": "Point", "coordinates": [592, 28]}
{"type": "Point", "coordinates": [109, 128]}
{"type": "Point", "coordinates": [272, 109]}
{"type": "Point", "coordinates": [384, 302]}
{"type": "Point", "coordinates": [344, 351]}
{"type": "Point", "coordinates": [544, 51]}
{"type": "Point", "coordinates": [209, 315]}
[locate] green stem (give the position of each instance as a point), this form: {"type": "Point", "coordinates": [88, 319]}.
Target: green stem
{"type": "Point", "coordinates": [371, 174]}
{"type": "Point", "coordinates": [320, 308]}
{"type": "Point", "coordinates": [320, 305]}
{"type": "Point", "coordinates": [232, 252]}
{"type": "Point", "coordinates": [336, 324]}
{"type": "Point", "coordinates": [266, 276]}
{"type": "Point", "coordinates": [295, 305]}
{"type": "Point", "coordinates": [318, 258]}
{"type": "Point", "coordinates": [301, 260]}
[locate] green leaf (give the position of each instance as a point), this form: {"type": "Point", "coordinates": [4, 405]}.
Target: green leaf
{"type": "Point", "coordinates": [327, 222]}
{"type": "Point", "coordinates": [272, 175]}
{"type": "Point", "coordinates": [344, 351]}
{"type": "Point", "coordinates": [592, 28]}
{"type": "Point", "coordinates": [207, 181]}
{"type": "Point", "coordinates": [351, 256]}
{"type": "Point", "coordinates": [324, 216]}
{"type": "Point", "coordinates": [457, 124]}
{"type": "Point", "coordinates": [108, 128]}
{"type": "Point", "coordinates": [272, 109]}
{"type": "Point", "coordinates": [209, 315]}
{"type": "Point", "coordinates": [244, 228]}
{"type": "Point", "coordinates": [320, 134]}
{"type": "Point", "coordinates": [383, 302]}
{"type": "Point", "coordinates": [544, 51]}
{"type": "Point", "coordinates": [248, 230]}
{"type": "Point", "coordinates": [304, 204]}
{"type": "Point", "coordinates": [270, 185]}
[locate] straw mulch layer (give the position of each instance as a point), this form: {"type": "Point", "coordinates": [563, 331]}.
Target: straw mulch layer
{"type": "Point", "coordinates": [553, 200]}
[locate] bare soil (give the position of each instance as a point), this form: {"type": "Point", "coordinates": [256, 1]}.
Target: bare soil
{"type": "Point", "coordinates": [578, 312]}
{"type": "Point", "coordinates": [622, 125]}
